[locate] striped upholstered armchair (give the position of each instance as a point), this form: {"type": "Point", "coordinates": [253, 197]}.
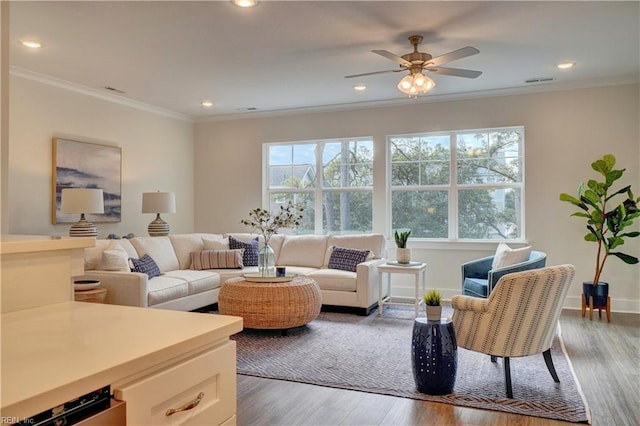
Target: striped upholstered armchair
{"type": "Point", "coordinates": [519, 318]}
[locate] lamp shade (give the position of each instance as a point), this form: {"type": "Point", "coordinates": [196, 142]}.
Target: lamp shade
{"type": "Point", "coordinates": [158, 202]}
{"type": "Point", "coordinates": [82, 200]}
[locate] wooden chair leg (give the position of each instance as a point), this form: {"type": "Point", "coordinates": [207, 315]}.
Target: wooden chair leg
{"type": "Point", "coordinates": [547, 360]}
{"type": "Point", "coordinates": [507, 377]}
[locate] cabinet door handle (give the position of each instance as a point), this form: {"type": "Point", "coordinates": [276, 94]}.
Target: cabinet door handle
{"type": "Point", "coordinates": [188, 406]}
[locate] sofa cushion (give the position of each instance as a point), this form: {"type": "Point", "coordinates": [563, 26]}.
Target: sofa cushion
{"type": "Point", "coordinates": [334, 279]}
{"type": "Point", "coordinates": [303, 250]}
{"type": "Point", "coordinates": [165, 288]}
{"type": "Point", "coordinates": [146, 265]}
{"type": "Point", "coordinates": [217, 259]}
{"type": "Point", "coordinates": [372, 242]}
{"type": "Point", "coordinates": [215, 243]}
{"type": "Point", "coordinates": [197, 281]}
{"type": "Point", "coordinates": [184, 245]}
{"type": "Point", "coordinates": [115, 258]}
{"type": "Point", "coordinates": [250, 255]}
{"type": "Point", "coordinates": [160, 249]}
{"type": "Point", "coordinates": [506, 256]}
{"type": "Point", "coordinates": [477, 287]}
{"type": "Point", "coordinates": [347, 259]}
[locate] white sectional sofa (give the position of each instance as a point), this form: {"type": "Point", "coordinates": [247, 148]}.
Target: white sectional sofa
{"type": "Point", "coordinates": [180, 287]}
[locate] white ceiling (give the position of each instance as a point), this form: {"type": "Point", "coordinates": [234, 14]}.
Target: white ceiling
{"type": "Point", "coordinates": [289, 55]}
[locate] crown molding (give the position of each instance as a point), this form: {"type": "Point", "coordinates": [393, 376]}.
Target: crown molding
{"type": "Point", "coordinates": [95, 93]}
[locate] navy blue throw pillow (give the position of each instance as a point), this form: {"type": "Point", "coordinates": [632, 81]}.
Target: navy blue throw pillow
{"type": "Point", "coordinates": [250, 255]}
{"type": "Point", "coordinates": [347, 259]}
{"type": "Point", "coordinates": [146, 265]}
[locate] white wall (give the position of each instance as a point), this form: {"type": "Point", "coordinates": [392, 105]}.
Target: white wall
{"type": "Point", "coordinates": [565, 131]}
{"type": "Point", "coordinates": [157, 154]}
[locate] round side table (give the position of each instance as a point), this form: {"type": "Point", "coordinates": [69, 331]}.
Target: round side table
{"type": "Point", "coordinates": [434, 356]}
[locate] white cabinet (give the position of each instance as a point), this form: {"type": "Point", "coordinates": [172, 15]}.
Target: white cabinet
{"type": "Point", "coordinates": [198, 391]}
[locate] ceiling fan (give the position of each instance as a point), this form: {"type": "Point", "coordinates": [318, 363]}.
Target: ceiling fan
{"type": "Point", "coordinates": [416, 62]}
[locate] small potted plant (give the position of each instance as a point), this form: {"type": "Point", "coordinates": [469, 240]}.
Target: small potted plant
{"type": "Point", "coordinates": [606, 222]}
{"type": "Point", "coordinates": [432, 300]}
{"type": "Point", "coordinates": [403, 254]}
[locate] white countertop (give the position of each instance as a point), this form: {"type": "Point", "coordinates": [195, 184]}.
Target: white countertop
{"type": "Point", "coordinates": [55, 353]}
{"type": "Point", "coordinates": [12, 243]}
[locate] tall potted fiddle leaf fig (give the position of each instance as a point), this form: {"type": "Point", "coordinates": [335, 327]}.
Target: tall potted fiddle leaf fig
{"type": "Point", "coordinates": [609, 213]}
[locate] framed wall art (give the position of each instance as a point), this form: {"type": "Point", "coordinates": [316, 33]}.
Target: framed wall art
{"type": "Point", "coordinates": [87, 165]}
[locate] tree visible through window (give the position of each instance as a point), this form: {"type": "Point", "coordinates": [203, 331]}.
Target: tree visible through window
{"type": "Point", "coordinates": [342, 192]}
{"type": "Point", "coordinates": [458, 185]}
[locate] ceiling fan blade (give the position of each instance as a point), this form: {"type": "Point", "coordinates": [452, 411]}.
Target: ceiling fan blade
{"type": "Point", "coordinates": [456, 72]}
{"type": "Point", "coordinates": [452, 56]}
{"type": "Point", "coordinates": [371, 73]}
{"type": "Point", "coordinates": [394, 58]}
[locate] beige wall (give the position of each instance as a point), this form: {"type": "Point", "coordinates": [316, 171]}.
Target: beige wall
{"type": "Point", "coordinates": [565, 131]}
{"type": "Point", "coordinates": [157, 154]}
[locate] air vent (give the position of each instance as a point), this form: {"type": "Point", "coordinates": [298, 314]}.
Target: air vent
{"type": "Point", "coordinates": [247, 109]}
{"type": "Point", "coordinates": [113, 89]}
{"type": "Point", "coordinates": [539, 80]}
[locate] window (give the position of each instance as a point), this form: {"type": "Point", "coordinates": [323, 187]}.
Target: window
{"type": "Point", "coordinates": [458, 185]}
{"type": "Point", "coordinates": [342, 192]}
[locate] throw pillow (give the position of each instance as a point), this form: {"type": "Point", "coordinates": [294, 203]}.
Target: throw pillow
{"type": "Point", "coordinates": [506, 256]}
{"type": "Point", "coordinates": [347, 259]}
{"type": "Point", "coordinates": [145, 265]}
{"type": "Point", "coordinates": [217, 259]}
{"type": "Point", "coordinates": [250, 256]}
{"type": "Point", "coordinates": [215, 244]}
{"type": "Point", "coordinates": [115, 260]}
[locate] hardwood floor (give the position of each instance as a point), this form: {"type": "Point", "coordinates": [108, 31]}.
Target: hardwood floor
{"type": "Point", "coordinates": [605, 357]}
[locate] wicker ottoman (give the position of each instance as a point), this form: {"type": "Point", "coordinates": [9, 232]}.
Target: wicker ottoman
{"type": "Point", "coordinates": [265, 305]}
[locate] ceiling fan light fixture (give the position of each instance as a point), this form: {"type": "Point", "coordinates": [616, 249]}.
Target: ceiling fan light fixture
{"type": "Point", "coordinates": [419, 79]}
{"type": "Point", "coordinates": [413, 85]}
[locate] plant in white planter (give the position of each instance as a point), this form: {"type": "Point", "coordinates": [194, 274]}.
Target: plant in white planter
{"type": "Point", "coordinates": [606, 222]}
{"type": "Point", "coordinates": [432, 300]}
{"type": "Point", "coordinates": [403, 254]}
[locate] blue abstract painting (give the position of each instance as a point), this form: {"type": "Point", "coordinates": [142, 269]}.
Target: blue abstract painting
{"type": "Point", "coordinates": [87, 165]}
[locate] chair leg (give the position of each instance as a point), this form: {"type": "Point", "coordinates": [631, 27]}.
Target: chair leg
{"type": "Point", "coordinates": [507, 377]}
{"type": "Point", "coordinates": [550, 367]}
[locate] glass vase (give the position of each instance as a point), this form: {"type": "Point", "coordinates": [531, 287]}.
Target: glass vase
{"type": "Point", "coordinates": [266, 262]}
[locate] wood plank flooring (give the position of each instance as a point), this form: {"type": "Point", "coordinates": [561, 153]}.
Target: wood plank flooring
{"type": "Point", "coordinates": [605, 356]}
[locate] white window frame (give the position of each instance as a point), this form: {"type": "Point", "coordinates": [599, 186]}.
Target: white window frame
{"type": "Point", "coordinates": [453, 187]}
{"type": "Point", "coordinates": [319, 188]}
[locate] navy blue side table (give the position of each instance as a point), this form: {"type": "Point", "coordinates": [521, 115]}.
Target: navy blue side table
{"type": "Point", "coordinates": [434, 356]}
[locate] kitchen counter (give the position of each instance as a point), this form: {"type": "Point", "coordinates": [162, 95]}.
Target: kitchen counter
{"type": "Point", "coordinates": [54, 353]}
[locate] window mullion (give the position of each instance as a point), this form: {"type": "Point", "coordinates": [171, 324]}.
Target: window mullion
{"type": "Point", "coordinates": [453, 187]}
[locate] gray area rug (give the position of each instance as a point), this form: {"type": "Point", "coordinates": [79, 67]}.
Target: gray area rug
{"type": "Point", "coordinates": [373, 354]}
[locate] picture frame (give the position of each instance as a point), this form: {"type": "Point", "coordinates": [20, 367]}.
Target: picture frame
{"type": "Point", "coordinates": [79, 164]}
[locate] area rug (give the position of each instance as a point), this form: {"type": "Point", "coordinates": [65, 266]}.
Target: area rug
{"type": "Point", "coordinates": [373, 354]}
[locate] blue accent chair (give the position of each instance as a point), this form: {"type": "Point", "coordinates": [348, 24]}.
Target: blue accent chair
{"type": "Point", "coordinates": [478, 279]}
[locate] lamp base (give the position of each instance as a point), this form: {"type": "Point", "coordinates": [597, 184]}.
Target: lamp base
{"type": "Point", "coordinates": [82, 228]}
{"type": "Point", "coordinates": [158, 227]}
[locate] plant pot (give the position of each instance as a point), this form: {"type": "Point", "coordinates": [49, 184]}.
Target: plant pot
{"type": "Point", "coordinates": [434, 313]}
{"type": "Point", "coordinates": [599, 292]}
{"type": "Point", "coordinates": [403, 255]}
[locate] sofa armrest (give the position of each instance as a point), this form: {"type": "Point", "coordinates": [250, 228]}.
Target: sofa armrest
{"type": "Point", "coordinates": [123, 288]}
{"type": "Point", "coordinates": [367, 282]}
{"type": "Point", "coordinates": [478, 268]}
{"type": "Point", "coordinates": [469, 303]}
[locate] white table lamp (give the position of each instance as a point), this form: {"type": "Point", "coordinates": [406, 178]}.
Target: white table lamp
{"type": "Point", "coordinates": [158, 202]}
{"type": "Point", "coordinates": [82, 200]}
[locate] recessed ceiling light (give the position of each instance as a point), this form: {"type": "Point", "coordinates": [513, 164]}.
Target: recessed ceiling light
{"type": "Point", "coordinates": [245, 3]}
{"type": "Point", "coordinates": [565, 65]}
{"type": "Point", "coordinates": [360, 87]}
{"type": "Point", "coordinates": [206, 104]}
{"type": "Point", "coordinates": [31, 44]}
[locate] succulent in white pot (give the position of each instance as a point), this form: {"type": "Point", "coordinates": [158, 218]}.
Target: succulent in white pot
{"type": "Point", "coordinates": [403, 254]}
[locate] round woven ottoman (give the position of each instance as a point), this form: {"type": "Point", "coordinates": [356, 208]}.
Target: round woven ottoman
{"type": "Point", "coordinates": [271, 305]}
